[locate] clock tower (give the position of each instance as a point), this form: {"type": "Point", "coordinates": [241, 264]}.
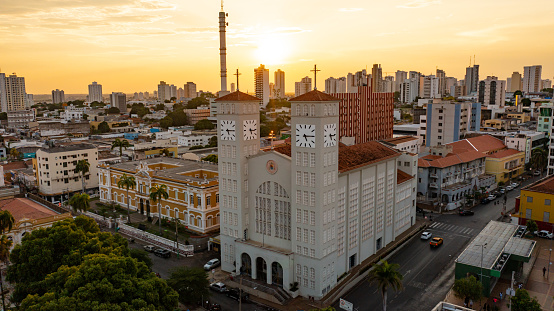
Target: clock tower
{"type": "Point", "coordinates": [238, 123]}
{"type": "Point", "coordinates": [314, 174]}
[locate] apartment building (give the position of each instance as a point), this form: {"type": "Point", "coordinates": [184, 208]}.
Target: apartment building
{"type": "Point", "coordinates": [12, 93]}
{"type": "Point", "coordinates": [95, 92]}
{"type": "Point", "coordinates": [197, 114]}
{"type": "Point", "coordinates": [532, 79]}
{"type": "Point", "coordinates": [492, 92]}
{"type": "Point", "coordinates": [261, 84]}
{"type": "Point", "coordinates": [20, 119]}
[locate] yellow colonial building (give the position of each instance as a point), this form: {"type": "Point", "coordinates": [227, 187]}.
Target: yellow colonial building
{"type": "Point", "coordinates": [536, 203]}
{"type": "Point", "coordinates": [505, 164]}
{"type": "Point", "coordinates": [193, 189]}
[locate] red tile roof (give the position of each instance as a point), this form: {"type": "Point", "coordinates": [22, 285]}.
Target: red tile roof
{"type": "Point", "coordinates": [504, 153]}
{"type": "Point", "coordinates": [402, 177]}
{"type": "Point", "coordinates": [314, 96]}
{"type": "Point", "coordinates": [399, 140]}
{"type": "Point", "coordinates": [21, 208]}
{"type": "Point", "coordinates": [545, 185]}
{"type": "Point", "coordinates": [237, 96]}
{"type": "Point", "coordinates": [450, 159]}
{"type": "Point", "coordinates": [483, 143]}
{"type": "Point", "coordinates": [14, 166]}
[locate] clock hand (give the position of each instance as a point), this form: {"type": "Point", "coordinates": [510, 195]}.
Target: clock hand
{"type": "Point", "coordinates": [251, 130]}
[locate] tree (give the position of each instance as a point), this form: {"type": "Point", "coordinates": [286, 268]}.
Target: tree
{"type": "Point", "coordinates": [518, 93]}
{"type": "Point", "coordinates": [523, 302]}
{"type": "Point", "coordinates": [139, 109]}
{"type": "Point", "coordinates": [264, 130]}
{"type": "Point", "coordinates": [179, 117]}
{"type": "Point", "coordinates": [3, 116]}
{"type": "Point", "coordinates": [103, 127]}
{"type": "Point", "coordinates": [82, 167]}
{"type": "Point", "coordinates": [127, 182]}
{"type": "Point", "coordinates": [526, 102]}
{"type": "Point", "coordinates": [141, 256]}
{"type": "Point", "coordinates": [539, 158]}
{"type": "Point", "coordinates": [102, 282]}
{"type": "Point", "coordinates": [157, 193]}
{"type": "Point", "coordinates": [80, 202]}
{"type": "Point", "coordinates": [120, 143]}
{"type": "Point", "coordinates": [196, 102]}
{"type": "Point", "coordinates": [532, 226]}
{"type": "Point", "coordinates": [14, 154]}
{"type": "Point", "coordinates": [6, 221]}
{"type": "Point", "coordinates": [190, 283]}
{"type": "Point", "coordinates": [212, 142]}
{"type": "Point", "coordinates": [204, 124]}
{"type": "Point", "coordinates": [210, 158]}
{"type": "Point", "coordinates": [468, 288]}
{"type": "Point", "coordinates": [5, 246]}
{"type": "Point", "coordinates": [65, 243]}
{"type": "Point", "coordinates": [166, 122]}
{"type": "Point", "coordinates": [159, 107]}
{"type": "Point", "coordinates": [113, 110]}
{"type": "Point", "coordinates": [386, 275]}
{"type": "Point", "coordinates": [165, 152]}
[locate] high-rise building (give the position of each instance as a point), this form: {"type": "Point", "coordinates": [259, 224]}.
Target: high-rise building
{"type": "Point", "coordinates": [272, 90]}
{"type": "Point", "coordinates": [388, 84]}
{"type": "Point", "coordinates": [222, 52]}
{"type": "Point", "coordinates": [429, 87]}
{"type": "Point", "coordinates": [233, 87]}
{"type": "Point", "coordinates": [190, 90]}
{"type": "Point", "coordinates": [353, 81]}
{"type": "Point", "coordinates": [95, 92]}
{"type": "Point", "coordinates": [532, 79]}
{"type": "Point", "coordinates": [172, 91]}
{"type": "Point", "coordinates": [415, 83]}
{"type": "Point", "coordinates": [146, 95]}
{"type": "Point", "coordinates": [164, 92]}
{"type": "Point", "coordinates": [119, 100]}
{"type": "Point", "coordinates": [450, 82]}
{"type": "Point", "coordinates": [279, 84]}
{"type": "Point", "coordinates": [58, 96]}
{"type": "Point", "coordinates": [399, 78]}
{"type": "Point", "coordinates": [441, 76]}
{"type": "Point", "coordinates": [12, 93]}
{"type": "Point", "coordinates": [337, 85]}
{"type": "Point", "coordinates": [546, 84]}
{"type": "Point", "coordinates": [261, 83]}
{"type": "Point", "coordinates": [180, 94]}
{"type": "Point", "coordinates": [365, 115]}
{"type": "Point", "coordinates": [492, 92]}
{"type": "Point", "coordinates": [472, 79]}
{"type": "Point", "coordinates": [376, 78]}
{"type": "Point", "coordinates": [516, 84]}
{"type": "Point", "coordinates": [302, 87]}
{"type": "Point", "coordinates": [29, 100]}
{"type": "Point", "coordinates": [409, 90]}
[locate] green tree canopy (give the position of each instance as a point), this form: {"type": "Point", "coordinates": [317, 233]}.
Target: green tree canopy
{"type": "Point", "coordinates": [159, 107]}
{"type": "Point", "coordinates": [113, 110]}
{"type": "Point", "coordinates": [80, 202]}
{"type": "Point", "coordinates": [45, 250]}
{"type": "Point", "coordinates": [212, 142]}
{"type": "Point", "coordinates": [523, 302]}
{"type": "Point", "coordinates": [468, 287]}
{"type": "Point", "coordinates": [141, 256]}
{"type": "Point", "coordinates": [191, 284]}
{"type": "Point", "coordinates": [386, 275]}
{"type": "Point", "coordinates": [196, 102]}
{"type": "Point", "coordinates": [518, 93]}
{"type": "Point", "coordinates": [179, 118]}
{"type": "Point", "coordinates": [166, 122]}
{"type": "Point", "coordinates": [3, 116]}
{"type": "Point", "coordinates": [204, 124]}
{"type": "Point", "coordinates": [210, 158]}
{"type": "Point", "coordinates": [532, 226]}
{"type": "Point", "coordinates": [103, 127]}
{"type": "Point", "coordinates": [139, 109]}
{"type": "Point", "coordinates": [103, 282]}
{"type": "Point", "coordinates": [526, 102]}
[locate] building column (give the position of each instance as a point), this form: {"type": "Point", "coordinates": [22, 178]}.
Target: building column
{"type": "Point", "coordinates": [268, 273]}
{"type": "Point", "coordinates": [254, 271]}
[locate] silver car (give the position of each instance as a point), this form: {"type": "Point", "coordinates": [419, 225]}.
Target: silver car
{"type": "Point", "coordinates": [212, 264]}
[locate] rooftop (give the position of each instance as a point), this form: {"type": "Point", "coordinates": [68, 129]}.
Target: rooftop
{"type": "Point", "coordinates": [483, 143]}
{"type": "Point", "coordinates": [545, 185]}
{"type": "Point", "coordinates": [22, 208]}
{"type": "Point", "coordinates": [314, 96]}
{"type": "Point", "coordinates": [450, 159]}
{"type": "Point", "coordinates": [69, 147]}
{"type": "Point", "coordinates": [402, 177]}
{"type": "Point", "coordinates": [504, 153]}
{"type": "Point", "coordinates": [399, 140]}
{"type": "Point", "coordinates": [237, 97]}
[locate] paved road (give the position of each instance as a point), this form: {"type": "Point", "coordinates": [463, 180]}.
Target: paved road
{"type": "Point", "coordinates": [429, 273]}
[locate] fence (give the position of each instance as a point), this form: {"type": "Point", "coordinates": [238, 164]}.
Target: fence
{"type": "Point", "coordinates": [185, 250]}
{"type": "Point", "coordinates": [48, 204]}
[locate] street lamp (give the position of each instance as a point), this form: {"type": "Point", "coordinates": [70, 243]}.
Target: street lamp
{"type": "Point", "coordinates": [482, 247]}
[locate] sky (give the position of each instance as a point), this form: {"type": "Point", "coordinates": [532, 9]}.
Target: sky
{"type": "Point", "coordinates": [131, 45]}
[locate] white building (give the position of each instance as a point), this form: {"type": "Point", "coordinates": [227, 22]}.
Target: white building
{"type": "Point", "coordinates": [190, 90]}
{"type": "Point", "coordinates": [409, 90]}
{"type": "Point", "coordinates": [21, 118]}
{"type": "Point", "coordinates": [279, 81]}
{"type": "Point", "coordinates": [12, 93]}
{"type": "Point", "coordinates": [302, 87]}
{"type": "Point", "coordinates": [194, 140]}
{"type": "Point", "coordinates": [261, 84]}
{"type": "Point", "coordinates": [58, 96]}
{"type": "Point", "coordinates": [335, 85]}
{"type": "Point", "coordinates": [429, 87]}
{"type": "Point", "coordinates": [524, 141]}
{"type": "Point", "coordinates": [408, 144]}
{"type": "Point", "coordinates": [532, 78]}
{"type": "Point", "coordinates": [119, 100]}
{"type": "Point", "coordinates": [310, 211]}
{"type": "Point", "coordinates": [360, 78]}
{"type": "Point", "coordinates": [95, 92]}
{"type": "Point", "coordinates": [546, 84]}
{"type": "Point", "coordinates": [399, 78]}
{"type": "Point", "coordinates": [164, 92]}
{"type": "Point", "coordinates": [492, 92]}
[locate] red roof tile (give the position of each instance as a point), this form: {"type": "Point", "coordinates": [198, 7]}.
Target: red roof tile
{"type": "Point", "coordinates": [545, 185]}
{"type": "Point", "coordinates": [14, 166]}
{"type": "Point", "coordinates": [237, 96]}
{"type": "Point", "coordinates": [450, 159]}
{"type": "Point", "coordinates": [399, 140]}
{"type": "Point", "coordinates": [314, 96]}
{"type": "Point", "coordinates": [504, 153]}
{"type": "Point", "coordinates": [24, 208]}
{"type": "Point", "coordinates": [402, 177]}
{"type": "Point", "coordinates": [483, 143]}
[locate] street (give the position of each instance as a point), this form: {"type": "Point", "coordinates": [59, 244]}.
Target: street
{"type": "Point", "coordinates": [429, 273]}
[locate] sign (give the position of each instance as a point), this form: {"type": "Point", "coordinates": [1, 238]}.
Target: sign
{"type": "Point", "coordinates": [345, 305]}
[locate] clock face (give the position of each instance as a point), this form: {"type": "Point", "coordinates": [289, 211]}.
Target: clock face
{"type": "Point", "coordinates": [228, 130]}
{"type": "Point", "coordinates": [250, 129]}
{"type": "Point", "coordinates": [330, 135]}
{"type": "Point", "coordinates": [305, 135]}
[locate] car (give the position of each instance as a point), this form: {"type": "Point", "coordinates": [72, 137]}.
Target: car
{"type": "Point", "coordinates": [214, 307]}
{"type": "Point", "coordinates": [502, 190]}
{"type": "Point", "coordinates": [234, 293]}
{"type": "Point", "coordinates": [544, 234]}
{"type": "Point", "coordinates": [218, 287]}
{"type": "Point", "coordinates": [491, 197]}
{"type": "Point", "coordinates": [515, 185]}
{"type": "Point", "coordinates": [164, 253]}
{"type": "Point", "coordinates": [466, 213]}
{"type": "Point", "coordinates": [150, 248]}
{"type": "Point", "coordinates": [509, 188]}
{"type": "Point", "coordinates": [426, 235]}
{"type": "Point", "coordinates": [212, 264]}
{"type": "Point", "coordinates": [537, 173]}
{"type": "Point", "coordinates": [485, 200]}
{"type": "Point", "coordinates": [436, 242]}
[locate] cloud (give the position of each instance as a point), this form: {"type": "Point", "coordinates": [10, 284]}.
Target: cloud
{"type": "Point", "coordinates": [348, 10]}
{"type": "Point", "coordinates": [418, 4]}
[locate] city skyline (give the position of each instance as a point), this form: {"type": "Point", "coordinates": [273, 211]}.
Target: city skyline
{"type": "Point", "coordinates": [117, 42]}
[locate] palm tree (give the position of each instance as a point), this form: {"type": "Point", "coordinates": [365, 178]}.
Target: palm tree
{"type": "Point", "coordinates": [386, 275]}
{"type": "Point", "coordinates": [83, 168]}
{"type": "Point", "coordinates": [14, 153]}
{"type": "Point", "coordinates": [120, 143]}
{"type": "Point", "coordinates": [6, 221]}
{"type": "Point", "coordinates": [539, 158]}
{"type": "Point", "coordinates": [157, 192]}
{"type": "Point", "coordinates": [5, 246]}
{"type": "Point", "coordinates": [80, 202]}
{"type": "Point", "coordinates": [165, 152]}
{"type": "Point", "coordinates": [127, 182]}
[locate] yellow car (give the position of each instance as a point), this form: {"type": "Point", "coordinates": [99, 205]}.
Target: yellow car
{"type": "Point", "coordinates": [436, 242]}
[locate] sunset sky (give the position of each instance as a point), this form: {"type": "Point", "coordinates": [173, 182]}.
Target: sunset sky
{"type": "Point", "coordinates": [130, 45]}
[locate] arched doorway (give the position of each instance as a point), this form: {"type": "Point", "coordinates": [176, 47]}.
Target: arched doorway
{"type": "Point", "coordinates": [246, 264]}
{"type": "Point", "coordinates": [277, 274]}
{"type": "Point", "coordinates": [141, 206]}
{"type": "Point", "coordinates": [261, 269]}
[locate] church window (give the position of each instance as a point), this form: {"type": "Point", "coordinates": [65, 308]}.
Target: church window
{"type": "Point", "coordinates": [353, 234]}
{"type": "Point", "coordinates": [236, 220]}
{"type": "Point", "coordinates": [305, 198]}
{"type": "Point", "coordinates": [298, 158]}
{"type": "Point", "coordinates": [312, 237]}
{"type": "Point", "coordinates": [305, 251]}
{"type": "Point", "coordinates": [298, 215]}
{"type": "Point", "coordinates": [234, 186]}
{"type": "Point", "coordinates": [297, 109]}
{"type": "Point", "coordinates": [312, 180]}
{"type": "Point", "coordinates": [234, 152]}
{"type": "Point", "coordinates": [298, 178]}
{"type": "Point", "coordinates": [305, 159]}
{"type": "Point", "coordinates": [305, 236]}
{"type": "Point", "coordinates": [312, 253]}
{"type": "Point", "coordinates": [298, 196]}
{"type": "Point", "coordinates": [235, 202]}
{"type": "Point", "coordinates": [312, 110]}
{"type": "Point", "coordinates": [312, 273]}
{"type": "Point", "coordinates": [246, 185]}
{"type": "Point", "coordinates": [306, 179]}
{"type": "Point", "coordinates": [298, 249]}
{"type": "Point", "coordinates": [234, 169]}
{"type": "Point", "coordinates": [312, 159]}
{"type": "Point", "coordinates": [298, 269]}
{"type": "Point", "coordinates": [325, 110]}
{"type": "Point", "coordinates": [209, 200]}
{"type": "Point", "coordinates": [312, 218]}
{"type": "Point", "coordinates": [298, 233]}
{"type": "Point", "coordinates": [305, 219]}
{"type": "Point", "coordinates": [324, 179]}
{"type": "Point", "coordinates": [305, 110]}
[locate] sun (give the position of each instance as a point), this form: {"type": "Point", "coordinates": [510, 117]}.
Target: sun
{"type": "Point", "coordinates": [272, 50]}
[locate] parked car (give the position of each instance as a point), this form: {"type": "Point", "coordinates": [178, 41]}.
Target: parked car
{"type": "Point", "coordinates": [515, 185]}
{"type": "Point", "coordinates": [509, 188]}
{"type": "Point", "coordinates": [218, 287]}
{"type": "Point", "coordinates": [234, 293]}
{"type": "Point", "coordinates": [426, 235]}
{"type": "Point", "coordinates": [436, 242]}
{"type": "Point", "coordinates": [164, 253]}
{"type": "Point", "coordinates": [537, 173]}
{"type": "Point", "coordinates": [150, 248]}
{"type": "Point", "coordinates": [214, 307]}
{"type": "Point", "coordinates": [491, 197]}
{"type": "Point", "coordinates": [212, 264]}
{"type": "Point", "coordinates": [544, 234]}
{"type": "Point", "coordinates": [502, 190]}
{"type": "Point", "coordinates": [466, 213]}
{"type": "Point", "coordinates": [485, 200]}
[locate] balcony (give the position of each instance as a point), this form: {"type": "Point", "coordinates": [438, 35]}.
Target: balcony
{"type": "Point", "coordinates": [433, 185]}
{"type": "Point", "coordinates": [433, 175]}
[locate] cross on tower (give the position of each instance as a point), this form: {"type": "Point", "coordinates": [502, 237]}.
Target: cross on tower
{"type": "Point", "coordinates": [237, 74]}
{"type": "Point", "coordinates": [315, 70]}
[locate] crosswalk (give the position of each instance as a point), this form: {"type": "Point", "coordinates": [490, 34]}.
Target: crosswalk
{"type": "Point", "coordinates": [452, 228]}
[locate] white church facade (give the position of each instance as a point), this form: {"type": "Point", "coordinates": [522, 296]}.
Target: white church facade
{"type": "Point", "coordinates": [310, 210]}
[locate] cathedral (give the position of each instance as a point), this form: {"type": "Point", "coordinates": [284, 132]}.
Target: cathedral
{"type": "Point", "coordinates": [304, 213]}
